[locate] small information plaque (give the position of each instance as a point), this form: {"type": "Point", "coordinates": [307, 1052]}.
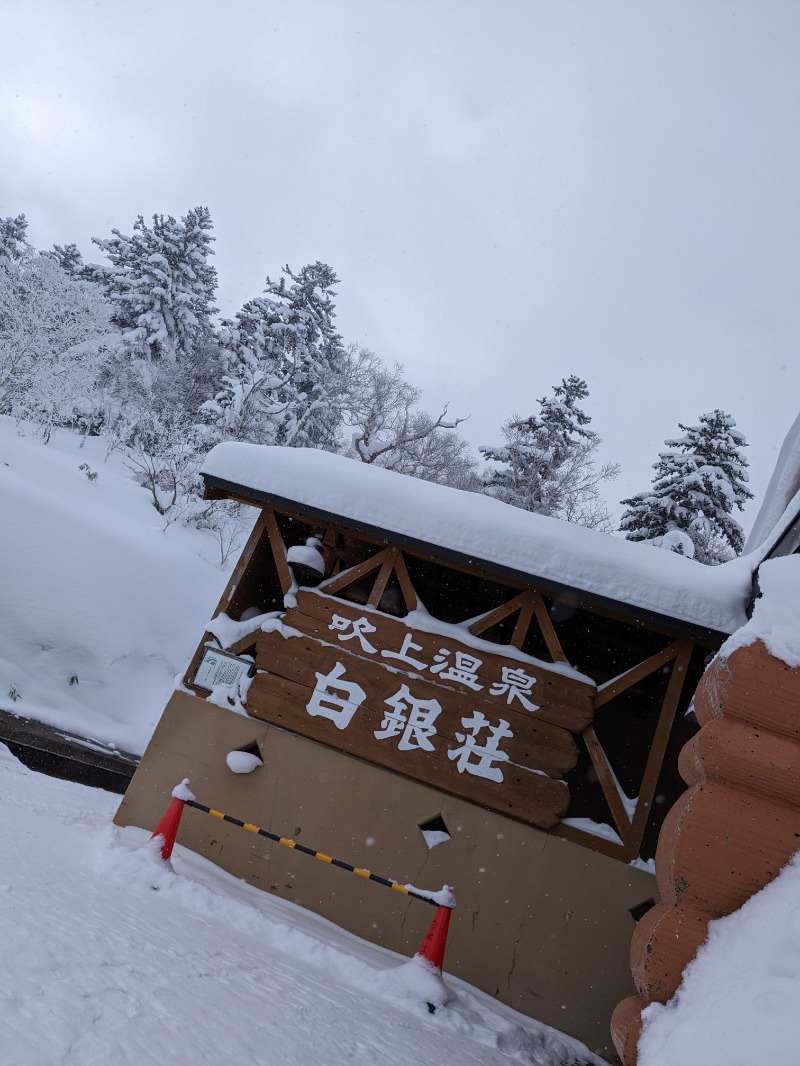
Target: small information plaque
{"type": "Point", "coordinates": [220, 668]}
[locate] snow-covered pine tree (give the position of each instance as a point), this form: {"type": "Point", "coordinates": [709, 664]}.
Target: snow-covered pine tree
{"type": "Point", "coordinates": [549, 460]}
{"type": "Point", "coordinates": [13, 239]}
{"type": "Point", "coordinates": [69, 258]}
{"type": "Point", "coordinates": [161, 284]}
{"type": "Point", "coordinates": [161, 287]}
{"type": "Point", "coordinates": [697, 484]}
{"type": "Point", "coordinates": [312, 354]}
{"type": "Point", "coordinates": [282, 365]}
{"type": "Point", "coordinates": [647, 516]}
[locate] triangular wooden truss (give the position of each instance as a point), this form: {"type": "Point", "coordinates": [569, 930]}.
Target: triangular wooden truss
{"type": "Point", "coordinates": [529, 606]}
{"type": "Point", "coordinates": [385, 564]}
{"type": "Point", "coordinates": [526, 606]}
{"type": "Point", "coordinates": [631, 830]}
{"type": "Point", "coordinates": [266, 522]}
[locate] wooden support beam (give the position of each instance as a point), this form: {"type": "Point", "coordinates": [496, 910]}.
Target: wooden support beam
{"type": "Point", "coordinates": [245, 643]}
{"type": "Point", "coordinates": [527, 603]}
{"type": "Point", "coordinates": [278, 551]}
{"type": "Point", "coordinates": [381, 581]}
{"type": "Point", "coordinates": [659, 745]}
{"type": "Point", "coordinates": [523, 622]}
{"type": "Point", "coordinates": [349, 577]}
{"type": "Point", "coordinates": [618, 685]}
{"type": "Point", "coordinates": [632, 830]}
{"type": "Point", "coordinates": [237, 574]}
{"type": "Point", "coordinates": [608, 782]}
{"type": "Point", "coordinates": [499, 614]}
{"type": "Point", "coordinates": [611, 848]}
{"type": "Point", "coordinates": [548, 630]}
{"type": "Point", "coordinates": [404, 580]}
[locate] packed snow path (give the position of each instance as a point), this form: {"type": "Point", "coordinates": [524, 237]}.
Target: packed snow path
{"type": "Point", "coordinates": [108, 956]}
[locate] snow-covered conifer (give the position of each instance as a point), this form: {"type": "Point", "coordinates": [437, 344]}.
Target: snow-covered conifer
{"type": "Point", "coordinates": [160, 284]}
{"type": "Point", "coordinates": [69, 258]}
{"type": "Point", "coordinates": [283, 361]}
{"type": "Point", "coordinates": [161, 289]}
{"type": "Point", "coordinates": [697, 484]}
{"type": "Point", "coordinates": [548, 460]}
{"type": "Point", "coordinates": [13, 239]}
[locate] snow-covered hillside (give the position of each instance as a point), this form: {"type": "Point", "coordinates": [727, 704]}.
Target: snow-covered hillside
{"type": "Point", "coordinates": [101, 607]}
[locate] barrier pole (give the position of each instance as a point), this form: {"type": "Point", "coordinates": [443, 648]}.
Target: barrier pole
{"type": "Point", "coordinates": [435, 899]}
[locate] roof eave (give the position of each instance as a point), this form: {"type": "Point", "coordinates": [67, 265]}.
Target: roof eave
{"type": "Point", "coordinates": [228, 489]}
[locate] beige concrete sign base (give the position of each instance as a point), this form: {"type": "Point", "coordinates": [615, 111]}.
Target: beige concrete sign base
{"type": "Point", "coordinates": [541, 923]}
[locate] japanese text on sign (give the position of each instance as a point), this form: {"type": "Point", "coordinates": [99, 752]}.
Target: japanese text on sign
{"type": "Point", "coordinates": [514, 683]}
{"type": "Point", "coordinates": [411, 722]}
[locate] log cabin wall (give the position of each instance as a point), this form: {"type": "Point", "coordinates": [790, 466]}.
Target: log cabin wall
{"type": "Point", "coordinates": [733, 830]}
{"type": "Point", "coordinates": [547, 900]}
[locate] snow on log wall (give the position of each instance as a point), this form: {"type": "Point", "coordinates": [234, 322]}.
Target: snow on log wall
{"type": "Point", "coordinates": [732, 831]}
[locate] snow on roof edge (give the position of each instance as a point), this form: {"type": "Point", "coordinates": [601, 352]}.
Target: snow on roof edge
{"type": "Point", "coordinates": [783, 492]}
{"type": "Point", "coordinates": [483, 530]}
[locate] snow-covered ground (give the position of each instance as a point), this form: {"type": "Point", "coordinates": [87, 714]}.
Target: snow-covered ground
{"type": "Point", "coordinates": [109, 956]}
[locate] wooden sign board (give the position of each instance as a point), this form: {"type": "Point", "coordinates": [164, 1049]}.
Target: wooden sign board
{"type": "Point", "coordinates": [472, 723]}
{"type": "Point", "coordinates": [558, 698]}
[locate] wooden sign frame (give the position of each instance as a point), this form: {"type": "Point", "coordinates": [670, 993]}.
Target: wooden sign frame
{"type": "Point", "coordinates": [361, 568]}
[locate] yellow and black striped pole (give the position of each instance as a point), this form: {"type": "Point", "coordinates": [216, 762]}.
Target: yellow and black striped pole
{"type": "Point", "coordinates": [287, 843]}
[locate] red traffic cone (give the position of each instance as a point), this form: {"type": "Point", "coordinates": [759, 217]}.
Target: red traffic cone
{"type": "Point", "coordinates": [167, 828]}
{"type": "Point", "coordinates": [432, 950]}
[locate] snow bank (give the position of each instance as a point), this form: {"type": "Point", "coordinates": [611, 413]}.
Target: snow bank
{"type": "Point", "coordinates": [739, 1002]}
{"type": "Point", "coordinates": [776, 613]}
{"type": "Point", "coordinates": [110, 955]}
{"type": "Point", "coordinates": [102, 608]}
{"type": "Point", "coordinates": [482, 529]}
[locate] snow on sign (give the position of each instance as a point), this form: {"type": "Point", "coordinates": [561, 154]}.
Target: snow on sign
{"type": "Point", "coordinates": [492, 730]}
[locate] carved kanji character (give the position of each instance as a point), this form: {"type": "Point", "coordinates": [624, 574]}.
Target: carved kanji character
{"type": "Point", "coordinates": [516, 684]}
{"type": "Point", "coordinates": [359, 627]}
{"type": "Point", "coordinates": [465, 670]}
{"type": "Point", "coordinates": [326, 703]}
{"type": "Point", "coordinates": [478, 759]}
{"type": "Point", "coordinates": [412, 717]}
{"type": "Point", "coordinates": [403, 655]}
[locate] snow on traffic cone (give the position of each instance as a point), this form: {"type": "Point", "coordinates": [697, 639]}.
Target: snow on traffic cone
{"type": "Point", "coordinates": [421, 976]}
{"type": "Point", "coordinates": [167, 828]}
{"type": "Point", "coordinates": [432, 949]}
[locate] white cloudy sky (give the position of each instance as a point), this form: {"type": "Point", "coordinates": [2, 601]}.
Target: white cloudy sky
{"type": "Point", "coordinates": [510, 191]}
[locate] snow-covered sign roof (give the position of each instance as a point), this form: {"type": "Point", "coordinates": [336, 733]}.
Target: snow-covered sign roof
{"type": "Point", "coordinates": [482, 532]}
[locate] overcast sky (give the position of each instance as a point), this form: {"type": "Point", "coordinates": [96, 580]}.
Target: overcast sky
{"type": "Point", "coordinates": [510, 191]}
